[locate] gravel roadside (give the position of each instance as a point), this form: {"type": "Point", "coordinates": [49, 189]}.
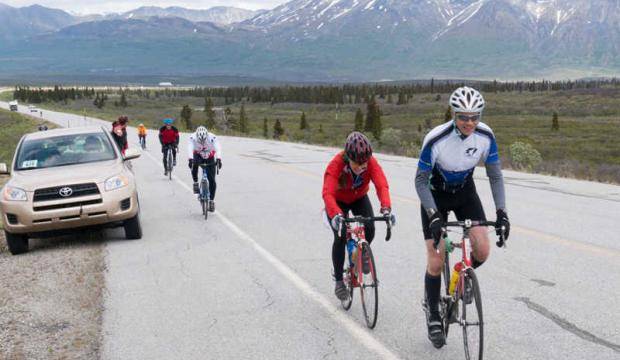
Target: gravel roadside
{"type": "Point", "coordinates": [51, 299]}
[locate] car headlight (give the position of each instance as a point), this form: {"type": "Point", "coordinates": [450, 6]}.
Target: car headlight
{"type": "Point", "coordinates": [116, 182]}
{"type": "Point", "coordinates": [14, 194]}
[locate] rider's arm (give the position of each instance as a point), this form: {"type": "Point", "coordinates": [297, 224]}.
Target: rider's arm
{"type": "Point", "coordinates": [217, 146]}
{"type": "Point", "coordinates": [422, 179]}
{"type": "Point", "coordinates": [190, 147]}
{"type": "Point", "coordinates": [330, 186]}
{"type": "Point", "coordinates": [423, 176]}
{"type": "Point", "coordinates": [494, 172]}
{"type": "Point", "coordinates": [176, 136]}
{"type": "Point", "coordinates": [161, 141]}
{"type": "Point", "coordinates": [381, 184]}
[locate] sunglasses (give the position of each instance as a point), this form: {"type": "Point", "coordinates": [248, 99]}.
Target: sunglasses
{"type": "Point", "coordinates": [468, 118]}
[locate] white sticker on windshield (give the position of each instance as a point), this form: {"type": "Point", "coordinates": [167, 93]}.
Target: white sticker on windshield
{"type": "Point", "coordinates": [30, 164]}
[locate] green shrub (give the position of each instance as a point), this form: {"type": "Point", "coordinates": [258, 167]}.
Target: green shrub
{"type": "Point", "coordinates": [524, 156]}
{"type": "Point", "coordinates": [391, 140]}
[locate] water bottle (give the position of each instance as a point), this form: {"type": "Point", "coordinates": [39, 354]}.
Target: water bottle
{"type": "Point", "coordinates": [352, 249]}
{"type": "Point", "coordinates": [455, 276]}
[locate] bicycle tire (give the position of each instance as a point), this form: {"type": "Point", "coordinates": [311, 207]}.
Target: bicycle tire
{"type": "Point", "coordinates": [369, 298]}
{"type": "Point", "coordinates": [468, 335]}
{"type": "Point", "coordinates": [446, 302]}
{"type": "Point", "coordinates": [204, 193]}
{"type": "Point", "coordinates": [346, 304]}
{"type": "Point", "coordinates": [169, 160]}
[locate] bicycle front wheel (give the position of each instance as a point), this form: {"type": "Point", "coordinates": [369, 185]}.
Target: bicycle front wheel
{"type": "Point", "coordinates": [346, 304]}
{"type": "Point", "coordinates": [369, 286]}
{"type": "Point", "coordinates": [471, 320]}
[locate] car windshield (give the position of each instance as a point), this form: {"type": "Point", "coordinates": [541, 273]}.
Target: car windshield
{"type": "Point", "coordinates": [64, 150]}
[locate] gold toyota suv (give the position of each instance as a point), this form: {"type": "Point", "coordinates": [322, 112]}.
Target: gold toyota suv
{"type": "Point", "coordinates": [68, 179]}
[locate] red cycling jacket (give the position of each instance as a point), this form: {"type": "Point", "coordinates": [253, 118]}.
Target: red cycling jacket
{"type": "Point", "coordinates": [169, 136]}
{"type": "Point", "coordinates": [332, 192]}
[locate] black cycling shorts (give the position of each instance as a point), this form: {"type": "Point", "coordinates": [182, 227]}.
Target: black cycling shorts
{"type": "Point", "coordinates": [465, 204]}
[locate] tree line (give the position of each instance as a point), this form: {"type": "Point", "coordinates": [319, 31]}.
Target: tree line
{"type": "Point", "coordinates": [396, 93]}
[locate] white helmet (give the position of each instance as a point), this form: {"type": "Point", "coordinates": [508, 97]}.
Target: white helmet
{"type": "Point", "coordinates": [201, 134]}
{"type": "Point", "coordinates": [466, 99]}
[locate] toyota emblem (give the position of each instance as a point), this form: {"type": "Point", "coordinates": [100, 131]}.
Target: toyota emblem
{"type": "Point", "coordinates": [65, 191]}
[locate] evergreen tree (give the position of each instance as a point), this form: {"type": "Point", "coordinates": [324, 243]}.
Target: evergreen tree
{"type": "Point", "coordinates": [448, 116]}
{"type": "Point", "coordinates": [243, 120]}
{"type": "Point", "coordinates": [265, 129]}
{"type": "Point", "coordinates": [303, 124]}
{"type": "Point", "coordinates": [320, 128]}
{"type": "Point", "coordinates": [389, 99]}
{"type": "Point", "coordinates": [278, 130]}
{"type": "Point", "coordinates": [123, 102]}
{"type": "Point", "coordinates": [373, 118]}
{"type": "Point", "coordinates": [186, 115]}
{"type": "Point", "coordinates": [359, 120]}
{"type": "Point", "coordinates": [231, 122]}
{"type": "Point", "coordinates": [209, 112]}
{"type": "Point", "coordinates": [555, 122]}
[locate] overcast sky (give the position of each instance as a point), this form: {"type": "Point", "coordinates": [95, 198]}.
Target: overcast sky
{"type": "Point", "coordinates": [101, 6]}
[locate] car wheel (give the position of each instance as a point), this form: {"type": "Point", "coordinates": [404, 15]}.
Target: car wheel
{"type": "Point", "coordinates": [133, 229]}
{"type": "Point", "coordinates": [18, 243]}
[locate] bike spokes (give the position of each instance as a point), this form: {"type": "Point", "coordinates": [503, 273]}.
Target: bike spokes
{"type": "Point", "coordinates": [471, 319]}
{"type": "Point", "coordinates": [369, 287]}
{"type": "Point", "coordinates": [348, 281]}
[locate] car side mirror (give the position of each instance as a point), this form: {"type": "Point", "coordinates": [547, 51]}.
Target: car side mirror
{"type": "Point", "coordinates": [132, 153]}
{"type": "Point", "coordinates": [4, 169]}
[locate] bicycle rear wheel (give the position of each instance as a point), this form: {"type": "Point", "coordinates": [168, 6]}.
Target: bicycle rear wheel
{"type": "Point", "coordinates": [472, 321]}
{"type": "Point", "coordinates": [369, 286]}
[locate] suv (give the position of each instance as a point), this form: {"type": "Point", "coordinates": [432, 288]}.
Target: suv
{"type": "Point", "coordinates": [67, 179]}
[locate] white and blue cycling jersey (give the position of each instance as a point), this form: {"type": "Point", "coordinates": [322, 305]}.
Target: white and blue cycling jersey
{"type": "Point", "coordinates": [453, 157]}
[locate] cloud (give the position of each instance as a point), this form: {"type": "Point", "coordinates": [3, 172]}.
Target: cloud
{"type": "Point", "coordinates": [98, 6]}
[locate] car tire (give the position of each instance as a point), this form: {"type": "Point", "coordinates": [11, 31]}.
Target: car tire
{"type": "Point", "coordinates": [17, 243]}
{"type": "Point", "coordinates": [133, 229]}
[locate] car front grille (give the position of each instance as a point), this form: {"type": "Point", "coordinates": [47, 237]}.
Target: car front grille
{"type": "Point", "coordinates": [67, 205]}
{"type": "Point", "coordinates": [77, 190]}
{"type": "Point", "coordinates": [12, 219]}
{"type": "Point", "coordinates": [125, 204]}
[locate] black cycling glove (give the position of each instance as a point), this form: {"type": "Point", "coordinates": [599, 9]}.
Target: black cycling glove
{"type": "Point", "coordinates": [436, 225]}
{"type": "Point", "coordinates": [502, 220]}
{"type": "Point", "coordinates": [190, 163]}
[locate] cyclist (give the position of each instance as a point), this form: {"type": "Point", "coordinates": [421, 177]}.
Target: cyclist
{"type": "Point", "coordinates": [444, 182]}
{"type": "Point", "coordinates": [119, 132]}
{"type": "Point", "coordinates": [169, 138]}
{"type": "Point", "coordinates": [345, 187]}
{"type": "Point", "coordinates": [142, 134]}
{"type": "Point", "coordinates": [204, 148]}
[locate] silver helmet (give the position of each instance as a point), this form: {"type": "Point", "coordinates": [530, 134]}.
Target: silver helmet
{"type": "Point", "coordinates": [466, 99]}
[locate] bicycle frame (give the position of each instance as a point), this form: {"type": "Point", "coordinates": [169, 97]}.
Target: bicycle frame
{"type": "Point", "coordinates": [204, 194]}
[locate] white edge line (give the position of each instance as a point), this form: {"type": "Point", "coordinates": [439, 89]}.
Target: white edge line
{"type": "Point", "coordinates": [358, 332]}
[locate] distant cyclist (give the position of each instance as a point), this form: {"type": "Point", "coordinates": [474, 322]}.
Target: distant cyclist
{"type": "Point", "coordinates": [444, 182]}
{"type": "Point", "coordinates": [204, 148]}
{"type": "Point", "coordinates": [345, 188]}
{"type": "Point", "coordinates": [119, 132]}
{"type": "Point", "coordinates": [142, 135]}
{"type": "Point", "coordinates": [169, 138]}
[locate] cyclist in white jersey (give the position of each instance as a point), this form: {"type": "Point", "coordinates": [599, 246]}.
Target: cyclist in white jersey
{"type": "Point", "coordinates": [204, 148]}
{"type": "Point", "coordinates": [444, 182]}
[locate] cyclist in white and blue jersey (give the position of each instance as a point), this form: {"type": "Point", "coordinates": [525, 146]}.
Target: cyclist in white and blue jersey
{"type": "Point", "coordinates": [444, 182]}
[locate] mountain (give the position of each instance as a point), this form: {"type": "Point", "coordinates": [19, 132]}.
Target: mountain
{"type": "Point", "coordinates": [31, 20]}
{"type": "Point", "coordinates": [341, 40]}
{"type": "Point", "coordinates": [219, 15]}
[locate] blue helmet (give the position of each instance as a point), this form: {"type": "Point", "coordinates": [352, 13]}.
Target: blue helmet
{"type": "Point", "coordinates": [168, 121]}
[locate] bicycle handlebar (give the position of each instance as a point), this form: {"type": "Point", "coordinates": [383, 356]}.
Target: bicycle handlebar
{"type": "Point", "coordinates": [362, 219]}
{"type": "Point", "coordinates": [467, 224]}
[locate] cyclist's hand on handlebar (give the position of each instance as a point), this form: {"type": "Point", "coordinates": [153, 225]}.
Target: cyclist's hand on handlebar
{"type": "Point", "coordinates": [218, 162]}
{"type": "Point", "coordinates": [502, 222]}
{"type": "Point", "coordinates": [337, 222]}
{"type": "Point", "coordinates": [190, 163]}
{"type": "Point", "coordinates": [387, 212]}
{"type": "Point", "coordinates": [436, 225]}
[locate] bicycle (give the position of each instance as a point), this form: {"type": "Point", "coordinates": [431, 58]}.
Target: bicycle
{"type": "Point", "coordinates": [204, 195]}
{"type": "Point", "coordinates": [466, 292]}
{"type": "Point", "coordinates": [360, 275]}
{"type": "Point", "coordinates": [142, 140]}
{"type": "Point", "coordinates": [169, 160]}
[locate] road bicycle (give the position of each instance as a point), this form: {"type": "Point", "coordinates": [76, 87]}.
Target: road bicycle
{"type": "Point", "coordinates": [169, 164]}
{"type": "Point", "coordinates": [361, 272]}
{"type": "Point", "coordinates": [466, 295]}
{"type": "Point", "coordinates": [142, 140]}
{"type": "Point", "coordinates": [204, 195]}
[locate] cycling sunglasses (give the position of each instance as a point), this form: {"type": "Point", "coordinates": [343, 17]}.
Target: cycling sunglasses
{"type": "Point", "coordinates": [468, 118]}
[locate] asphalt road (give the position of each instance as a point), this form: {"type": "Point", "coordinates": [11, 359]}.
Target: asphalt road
{"type": "Point", "coordinates": [254, 281]}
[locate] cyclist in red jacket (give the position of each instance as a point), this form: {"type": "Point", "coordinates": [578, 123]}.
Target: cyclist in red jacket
{"type": "Point", "coordinates": [345, 187]}
{"type": "Point", "coordinates": [169, 137]}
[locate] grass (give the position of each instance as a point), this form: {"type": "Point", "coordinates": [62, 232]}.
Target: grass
{"type": "Point", "coordinates": [12, 127]}
{"type": "Point", "coordinates": [585, 147]}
